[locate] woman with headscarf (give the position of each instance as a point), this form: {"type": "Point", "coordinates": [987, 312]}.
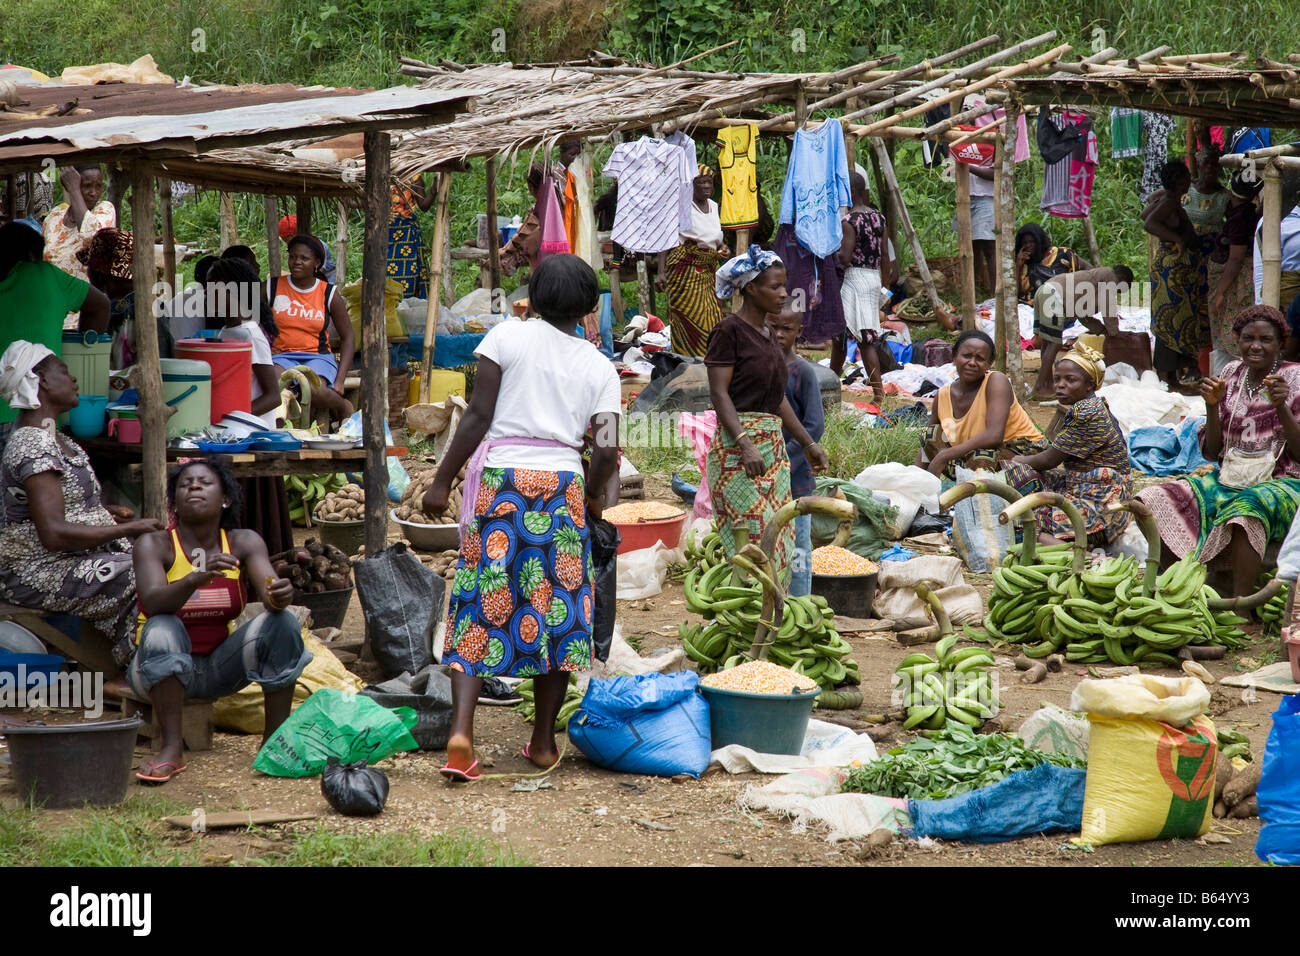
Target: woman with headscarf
{"type": "Point", "coordinates": [747, 467]}
{"type": "Point", "coordinates": [687, 272]}
{"type": "Point", "coordinates": [61, 551]}
{"type": "Point", "coordinates": [108, 259]}
{"type": "Point", "coordinates": [1231, 269]}
{"type": "Point", "coordinates": [1175, 277]}
{"type": "Point", "coordinates": [1037, 260]}
{"type": "Point", "coordinates": [408, 259]}
{"type": "Point", "coordinates": [83, 212]}
{"type": "Point", "coordinates": [1086, 458]}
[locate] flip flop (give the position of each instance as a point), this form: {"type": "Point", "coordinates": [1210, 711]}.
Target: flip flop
{"type": "Point", "coordinates": [526, 753]}
{"type": "Point", "coordinates": [153, 773]}
{"type": "Point", "coordinates": [457, 775]}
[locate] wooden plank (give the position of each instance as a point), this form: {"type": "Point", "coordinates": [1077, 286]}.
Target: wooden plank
{"type": "Point", "coordinates": [1270, 237]}
{"type": "Point", "coordinates": [236, 818]}
{"type": "Point", "coordinates": [271, 210]}
{"type": "Point", "coordinates": [229, 228]}
{"type": "Point", "coordinates": [148, 373]}
{"type": "Point", "coordinates": [494, 237]}
{"type": "Point", "coordinates": [92, 650]}
{"type": "Point", "coordinates": [965, 248]}
{"type": "Point", "coordinates": [440, 226]}
{"type": "Point", "coordinates": [374, 373]}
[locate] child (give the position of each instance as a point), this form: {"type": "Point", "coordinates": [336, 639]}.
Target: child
{"type": "Point", "coordinates": [805, 397]}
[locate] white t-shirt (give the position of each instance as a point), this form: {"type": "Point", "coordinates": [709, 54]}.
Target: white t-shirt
{"type": "Point", "coordinates": [250, 331]}
{"type": "Point", "coordinates": [706, 227]}
{"type": "Point", "coordinates": [551, 386]}
{"type": "Point", "coordinates": [185, 312]}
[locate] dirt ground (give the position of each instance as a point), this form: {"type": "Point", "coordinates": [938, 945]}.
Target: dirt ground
{"type": "Point", "coordinates": [590, 816]}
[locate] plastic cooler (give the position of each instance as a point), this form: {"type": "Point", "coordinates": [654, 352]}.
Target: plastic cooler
{"type": "Point", "coordinates": [187, 387]}
{"type": "Point", "coordinates": [87, 356]}
{"type": "Point", "coordinates": [232, 372]}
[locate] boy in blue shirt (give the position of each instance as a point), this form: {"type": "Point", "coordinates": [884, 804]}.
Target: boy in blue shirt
{"type": "Point", "coordinates": [805, 395]}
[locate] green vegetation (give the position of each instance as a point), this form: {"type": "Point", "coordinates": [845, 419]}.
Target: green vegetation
{"type": "Point", "coordinates": [852, 449]}
{"type": "Point", "coordinates": [321, 847]}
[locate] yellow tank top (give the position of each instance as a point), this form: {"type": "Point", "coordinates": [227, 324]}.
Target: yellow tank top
{"type": "Point", "coordinates": [959, 430]}
{"type": "Point", "coordinates": [212, 608]}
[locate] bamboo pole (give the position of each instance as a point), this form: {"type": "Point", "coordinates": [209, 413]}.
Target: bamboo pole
{"type": "Point", "coordinates": [494, 237]}
{"type": "Point", "coordinates": [168, 236]}
{"type": "Point", "coordinates": [374, 369]}
{"type": "Point", "coordinates": [435, 281]}
{"type": "Point", "coordinates": [644, 295]}
{"type": "Point", "coordinates": [148, 373]}
{"type": "Point", "coordinates": [1008, 327]}
{"type": "Point", "coordinates": [1270, 237]}
{"type": "Point", "coordinates": [271, 212]}
{"type": "Point", "coordinates": [965, 248]}
{"type": "Point", "coordinates": [341, 245]}
{"type": "Point", "coordinates": [891, 181]}
{"type": "Point", "coordinates": [229, 230]}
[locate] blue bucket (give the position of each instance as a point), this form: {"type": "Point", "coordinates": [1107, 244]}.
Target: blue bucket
{"type": "Point", "coordinates": [31, 670]}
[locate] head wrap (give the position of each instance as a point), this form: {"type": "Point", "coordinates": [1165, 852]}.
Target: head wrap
{"type": "Point", "coordinates": [108, 251]}
{"type": "Point", "coordinates": [739, 271]}
{"type": "Point", "coordinates": [1088, 359]}
{"type": "Point", "coordinates": [19, 383]}
{"type": "Point", "coordinates": [703, 169]}
{"type": "Point", "coordinates": [35, 226]}
{"type": "Point", "coordinates": [288, 227]}
{"type": "Point", "coordinates": [1243, 188]}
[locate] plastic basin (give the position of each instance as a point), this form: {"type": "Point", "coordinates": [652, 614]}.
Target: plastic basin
{"type": "Point", "coordinates": [428, 537]}
{"type": "Point", "coordinates": [636, 535]}
{"type": "Point", "coordinates": [36, 670]}
{"type": "Point", "coordinates": [767, 723]}
{"type": "Point", "coordinates": [849, 595]}
{"type": "Point", "coordinates": [347, 536]}
{"type": "Point", "coordinates": [71, 765]}
{"type": "Point", "coordinates": [328, 608]}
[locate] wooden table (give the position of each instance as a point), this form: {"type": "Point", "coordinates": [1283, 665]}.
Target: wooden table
{"type": "Point", "coordinates": [245, 464]}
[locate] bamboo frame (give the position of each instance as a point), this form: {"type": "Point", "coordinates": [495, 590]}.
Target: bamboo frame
{"type": "Point", "coordinates": [374, 349]}
{"type": "Point", "coordinates": [440, 225]}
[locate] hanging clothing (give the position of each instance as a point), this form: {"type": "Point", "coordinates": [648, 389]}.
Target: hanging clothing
{"type": "Point", "coordinates": [1059, 134]}
{"type": "Point", "coordinates": [1067, 182]}
{"type": "Point", "coordinates": [1248, 138]}
{"type": "Point", "coordinates": [1125, 133]}
{"type": "Point", "coordinates": [817, 187]}
{"type": "Point", "coordinates": [654, 194]}
{"type": "Point", "coordinates": [588, 243]}
{"type": "Point", "coordinates": [738, 164]}
{"type": "Point", "coordinates": [687, 145]}
{"type": "Point", "coordinates": [817, 280]}
{"type": "Point", "coordinates": [408, 260]}
{"type": "Point", "coordinates": [551, 220]}
{"type": "Point", "coordinates": [1156, 127]}
{"type": "Point", "coordinates": [934, 154]}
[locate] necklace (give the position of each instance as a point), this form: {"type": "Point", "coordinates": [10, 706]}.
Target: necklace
{"type": "Point", "coordinates": [1253, 392]}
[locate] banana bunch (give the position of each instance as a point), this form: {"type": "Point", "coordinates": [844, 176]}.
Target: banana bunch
{"type": "Point", "coordinates": [1232, 743]}
{"type": "Point", "coordinates": [528, 706]}
{"type": "Point", "coordinates": [1271, 614]}
{"type": "Point", "coordinates": [955, 688]}
{"type": "Point", "coordinates": [307, 491]}
{"type": "Point", "coordinates": [1021, 592]}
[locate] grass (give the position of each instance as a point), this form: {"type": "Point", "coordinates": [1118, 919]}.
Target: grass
{"type": "Point", "coordinates": [852, 449]}
{"type": "Point", "coordinates": [130, 834]}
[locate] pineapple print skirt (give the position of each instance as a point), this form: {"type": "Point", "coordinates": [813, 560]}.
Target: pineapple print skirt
{"type": "Point", "coordinates": [521, 601]}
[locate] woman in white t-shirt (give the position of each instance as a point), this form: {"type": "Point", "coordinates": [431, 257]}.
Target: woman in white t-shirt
{"type": "Point", "coordinates": [521, 603]}
{"type": "Point", "coordinates": [686, 273]}
{"type": "Point", "coordinates": [235, 296]}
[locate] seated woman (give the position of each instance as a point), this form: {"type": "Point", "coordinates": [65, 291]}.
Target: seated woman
{"type": "Point", "coordinates": [977, 416]}
{"type": "Point", "coordinates": [303, 306]}
{"type": "Point", "coordinates": [1037, 261]}
{"type": "Point", "coordinates": [60, 549]}
{"type": "Point", "coordinates": [83, 212]}
{"type": "Point", "coordinates": [193, 580]}
{"type": "Point", "coordinates": [1086, 458]}
{"type": "Point", "coordinates": [1252, 431]}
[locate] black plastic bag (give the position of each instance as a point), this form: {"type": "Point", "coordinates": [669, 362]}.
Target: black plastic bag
{"type": "Point", "coordinates": [428, 693]}
{"type": "Point", "coordinates": [604, 556]}
{"type": "Point", "coordinates": [402, 601]}
{"type": "Point", "coordinates": [925, 522]}
{"type": "Point", "coordinates": [353, 789]}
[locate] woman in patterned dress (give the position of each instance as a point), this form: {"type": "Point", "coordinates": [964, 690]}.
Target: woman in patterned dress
{"type": "Point", "coordinates": [686, 272]}
{"type": "Point", "coordinates": [1231, 269]}
{"type": "Point", "coordinates": [521, 601]}
{"type": "Point", "coordinates": [71, 223]}
{"type": "Point", "coordinates": [408, 260]}
{"type": "Point", "coordinates": [1175, 278]}
{"type": "Point", "coordinates": [1086, 458]}
{"type": "Point", "coordinates": [60, 550]}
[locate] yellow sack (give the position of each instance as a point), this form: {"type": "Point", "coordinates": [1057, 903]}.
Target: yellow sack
{"type": "Point", "coordinates": [244, 711]}
{"type": "Point", "coordinates": [393, 295]}
{"type": "Point", "coordinates": [1148, 779]}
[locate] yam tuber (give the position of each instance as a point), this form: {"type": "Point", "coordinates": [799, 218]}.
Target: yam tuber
{"type": "Point", "coordinates": [1242, 785]}
{"type": "Point", "coordinates": [1035, 674]}
{"type": "Point", "coordinates": [336, 581]}
{"type": "Point", "coordinates": [1246, 808]}
{"type": "Point", "coordinates": [1222, 774]}
{"type": "Point", "coordinates": [314, 547]}
{"type": "Point", "coordinates": [321, 566]}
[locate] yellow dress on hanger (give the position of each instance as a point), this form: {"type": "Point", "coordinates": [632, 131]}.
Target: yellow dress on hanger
{"type": "Point", "coordinates": [738, 164]}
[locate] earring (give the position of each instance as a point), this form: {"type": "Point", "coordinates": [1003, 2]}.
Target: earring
{"type": "Point", "coordinates": [225, 504]}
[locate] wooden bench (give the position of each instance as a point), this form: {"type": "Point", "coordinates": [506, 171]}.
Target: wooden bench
{"type": "Point", "coordinates": [196, 718]}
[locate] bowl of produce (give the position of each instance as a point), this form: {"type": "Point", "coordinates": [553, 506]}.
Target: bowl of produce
{"type": "Point", "coordinates": [340, 516]}
{"type": "Point", "coordinates": [846, 580]}
{"type": "Point", "coordinates": [641, 523]}
{"type": "Point", "coordinates": [422, 532]}
{"type": "Point", "coordinates": [759, 705]}
{"type": "Point", "coordinates": [428, 537]}
{"type": "Point", "coordinates": [321, 575]}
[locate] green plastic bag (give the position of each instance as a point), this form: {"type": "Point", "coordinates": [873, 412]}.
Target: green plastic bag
{"type": "Point", "coordinates": [870, 534]}
{"type": "Point", "coordinates": [333, 723]}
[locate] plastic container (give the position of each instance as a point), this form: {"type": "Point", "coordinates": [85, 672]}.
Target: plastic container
{"type": "Point", "coordinates": [71, 765]}
{"type": "Point", "coordinates": [28, 669]}
{"type": "Point", "coordinates": [87, 356]}
{"type": "Point", "coordinates": [16, 639]}
{"type": "Point", "coordinates": [347, 536]}
{"type": "Point", "coordinates": [187, 387]}
{"type": "Point", "coordinates": [767, 723]}
{"type": "Point", "coordinates": [428, 537]}
{"type": "Point", "coordinates": [86, 420]}
{"type": "Point", "coordinates": [127, 431]}
{"type": "Point", "coordinates": [848, 594]}
{"type": "Point", "coordinates": [1293, 652]}
{"type": "Point", "coordinates": [328, 608]}
{"type": "Point", "coordinates": [232, 373]}
{"type": "Point", "coordinates": [643, 534]}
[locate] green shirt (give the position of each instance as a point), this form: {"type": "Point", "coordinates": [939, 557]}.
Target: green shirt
{"type": "Point", "coordinates": [35, 298]}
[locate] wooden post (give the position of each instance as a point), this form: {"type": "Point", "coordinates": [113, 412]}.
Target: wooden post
{"type": "Point", "coordinates": [965, 248]}
{"type": "Point", "coordinates": [494, 237]}
{"type": "Point", "coordinates": [168, 237]}
{"type": "Point", "coordinates": [616, 292]}
{"type": "Point", "coordinates": [229, 230]}
{"type": "Point", "coordinates": [887, 168]}
{"type": "Point", "coordinates": [1270, 238]}
{"type": "Point", "coordinates": [742, 244]}
{"type": "Point", "coordinates": [302, 209]}
{"type": "Point", "coordinates": [448, 279]}
{"type": "Point", "coordinates": [1008, 312]}
{"type": "Point", "coordinates": [271, 209]}
{"type": "Point", "coordinates": [644, 300]}
{"type": "Point", "coordinates": [374, 344]}
{"type": "Point", "coordinates": [148, 377]}
{"type": "Point", "coordinates": [341, 246]}
{"type": "Point", "coordinates": [435, 281]}
{"type": "Point", "coordinates": [1094, 248]}
{"type": "Point", "coordinates": [117, 183]}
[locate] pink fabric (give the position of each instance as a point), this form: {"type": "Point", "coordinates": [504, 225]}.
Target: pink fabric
{"type": "Point", "coordinates": [1021, 152]}
{"type": "Point", "coordinates": [474, 471]}
{"type": "Point", "coordinates": [1082, 175]}
{"type": "Point", "coordinates": [554, 238]}
{"type": "Point", "coordinates": [699, 430]}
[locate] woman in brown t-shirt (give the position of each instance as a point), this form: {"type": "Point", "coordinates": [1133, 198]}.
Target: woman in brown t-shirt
{"type": "Point", "coordinates": [747, 467]}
